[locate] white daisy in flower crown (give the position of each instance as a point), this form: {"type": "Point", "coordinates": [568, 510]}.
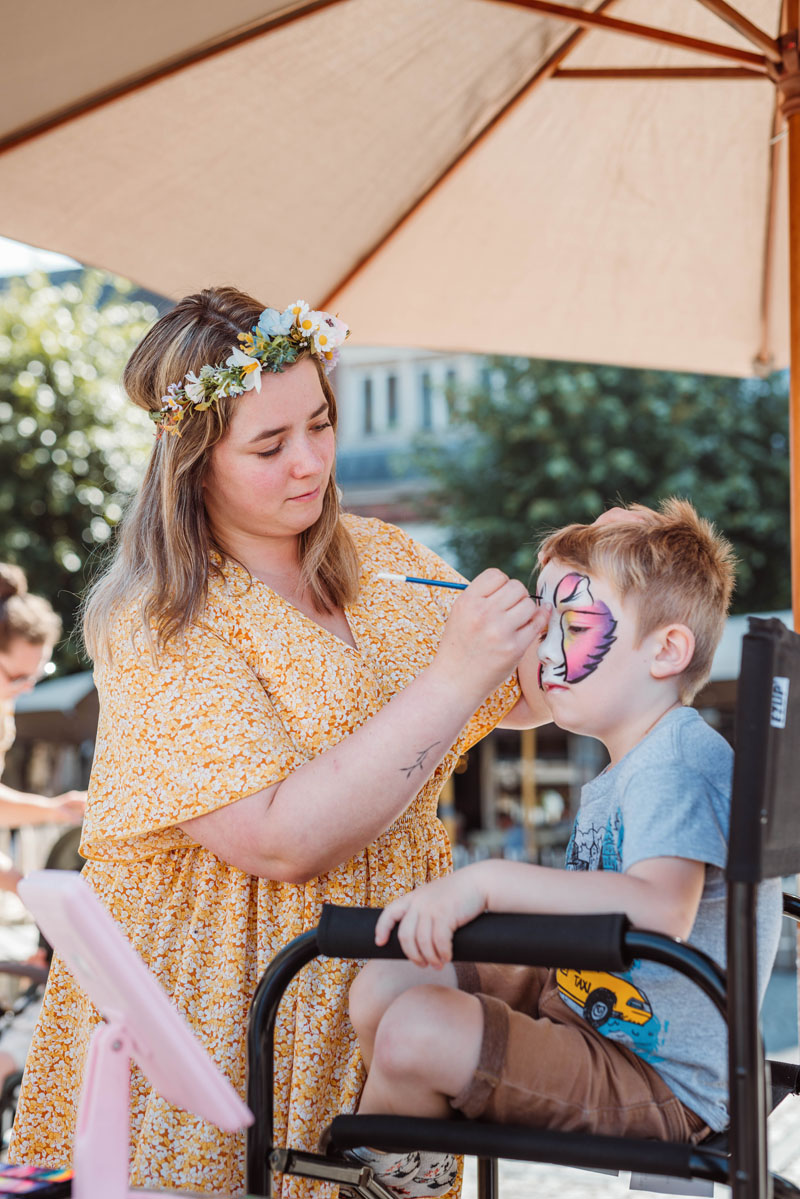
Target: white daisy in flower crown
{"type": "Point", "coordinates": [276, 341]}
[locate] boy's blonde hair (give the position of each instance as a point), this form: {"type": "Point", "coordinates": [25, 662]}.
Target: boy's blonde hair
{"type": "Point", "coordinates": [673, 562]}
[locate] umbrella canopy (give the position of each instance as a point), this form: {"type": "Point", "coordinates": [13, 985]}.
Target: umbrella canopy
{"type": "Point", "coordinates": [594, 180]}
{"type": "Point", "coordinates": [604, 219]}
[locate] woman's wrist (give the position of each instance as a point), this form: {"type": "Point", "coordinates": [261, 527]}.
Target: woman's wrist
{"type": "Point", "coordinates": [458, 696]}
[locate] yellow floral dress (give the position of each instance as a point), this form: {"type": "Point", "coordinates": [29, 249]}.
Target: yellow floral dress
{"type": "Point", "coordinates": [260, 690]}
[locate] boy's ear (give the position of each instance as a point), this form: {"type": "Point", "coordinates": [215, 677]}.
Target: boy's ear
{"type": "Point", "coordinates": [673, 650]}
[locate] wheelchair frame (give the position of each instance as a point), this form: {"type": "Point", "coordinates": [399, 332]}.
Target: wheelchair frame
{"type": "Point", "coordinates": [764, 843]}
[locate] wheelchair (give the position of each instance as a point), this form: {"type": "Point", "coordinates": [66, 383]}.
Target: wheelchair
{"type": "Point", "coordinates": [764, 843]}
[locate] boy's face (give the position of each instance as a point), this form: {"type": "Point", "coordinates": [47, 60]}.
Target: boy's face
{"type": "Point", "coordinates": [594, 678]}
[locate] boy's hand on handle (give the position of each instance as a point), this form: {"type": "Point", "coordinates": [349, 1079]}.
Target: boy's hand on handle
{"type": "Point", "coordinates": [490, 626]}
{"type": "Point", "coordinates": [427, 918]}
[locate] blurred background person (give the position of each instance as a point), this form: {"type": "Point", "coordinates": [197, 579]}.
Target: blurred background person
{"type": "Point", "coordinates": [28, 631]}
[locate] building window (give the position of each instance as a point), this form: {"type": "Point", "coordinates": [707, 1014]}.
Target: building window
{"type": "Point", "coordinates": [392, 404]}
{"type": "Point", "coordinates": [369, 419]}
{"type": "Point", "coordinates": [451, 391]}
{"type": "Point", "coordinates": [425, 401]}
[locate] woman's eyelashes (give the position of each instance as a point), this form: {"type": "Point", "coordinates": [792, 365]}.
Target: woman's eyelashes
{"type": "Point", "coordinates": [320, 428]}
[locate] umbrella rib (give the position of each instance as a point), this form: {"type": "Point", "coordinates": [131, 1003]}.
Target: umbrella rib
{"type": "Point", "coordinates": [764, 359]}
{"type": "Point", "coordinates": [543, 73]}
{"type": "Point", "coordinates": [563, 12]}
{"type": "Point", "coordinates": [197, 54]}
{"type": "Point", "coordinates": [738, 21]}
{"type": "Point", "coordinates": [659, 73]}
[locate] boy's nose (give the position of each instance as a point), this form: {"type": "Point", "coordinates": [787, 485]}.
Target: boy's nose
{"type": "Point", "coordinates": [550, 645]}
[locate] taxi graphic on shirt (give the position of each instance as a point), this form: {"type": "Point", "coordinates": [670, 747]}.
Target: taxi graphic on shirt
{"type": "Point", "coordinates": [599, 997]}
{"type": "Point", "coordinates": [611, 1003]}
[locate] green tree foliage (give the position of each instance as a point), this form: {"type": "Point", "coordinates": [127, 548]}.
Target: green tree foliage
{"type": "Point", "coordinates": [550, 442]}
{"type": "Point", "coordinates": [72, 448]}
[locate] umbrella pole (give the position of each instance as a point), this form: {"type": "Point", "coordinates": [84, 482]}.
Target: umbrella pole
{"type": "Point", "coordinates": [793, 123]}
{"type": "Point", "coordinates": [787, 79]}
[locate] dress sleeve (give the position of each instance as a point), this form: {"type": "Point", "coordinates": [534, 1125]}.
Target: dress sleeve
{"type": "Point", "coordinates": [181, 737]}
{"type": "Point", "coordinates": [501, 701]}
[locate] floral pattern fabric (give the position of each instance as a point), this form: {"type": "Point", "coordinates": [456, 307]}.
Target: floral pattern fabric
{"type": "Point", "coordinates": [259, 690]}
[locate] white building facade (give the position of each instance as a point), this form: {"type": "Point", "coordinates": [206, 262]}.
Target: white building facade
{"type": "Point", "coordinates": [387, 397]}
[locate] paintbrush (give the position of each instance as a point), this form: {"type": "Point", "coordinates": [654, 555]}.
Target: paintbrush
{"type": "Point", "coordinates": [391, 578]}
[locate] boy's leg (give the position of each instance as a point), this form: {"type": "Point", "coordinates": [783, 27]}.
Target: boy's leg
{"type": "Point", "coordinates": [429, 1043]}
{"type": "Point", "coordinates": [378, 985]}
{"type": "Point", "coordinates": [426, 1051]}
{"type": "Point", "coordinates": [551, 1069]}
{"type": "Point", "coordinates": [520, 1056]}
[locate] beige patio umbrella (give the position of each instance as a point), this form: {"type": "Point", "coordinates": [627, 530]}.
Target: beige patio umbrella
{"type": "Point", "coordinates": [606, 180]}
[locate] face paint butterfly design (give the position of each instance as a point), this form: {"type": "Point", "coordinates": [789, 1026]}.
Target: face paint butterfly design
{"type": "Point", "coordinates": [581, 630]}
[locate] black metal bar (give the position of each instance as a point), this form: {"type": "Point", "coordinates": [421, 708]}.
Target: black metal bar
{"type": "Point", "coordinates": [591, 942]}
{"type": "Point", "coordinates": [746, 1081]}
{"type": "Point", "coordinates": [488, 1184]}
{"type": "Point", "coordinates": [521, 1143]}
{"type": "Point", "coordinates": [791, 906]}
{"type": "Point", "coordinates": [691, 962]}
{"type": "Point", "coordinates": [260, 1053]}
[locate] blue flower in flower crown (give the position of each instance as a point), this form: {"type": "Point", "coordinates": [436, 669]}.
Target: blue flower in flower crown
{"type": "Point", "coordinates": [276, 324]}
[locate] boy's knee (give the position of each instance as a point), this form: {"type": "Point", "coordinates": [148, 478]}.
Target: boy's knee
{"type": "Point", "coordinates": [379, 984]}
{"type": "Point", "coordinates": [411, 1032]}
{"type": "Point", "coordinates": [370, 995]}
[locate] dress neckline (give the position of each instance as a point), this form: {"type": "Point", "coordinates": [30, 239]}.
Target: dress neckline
{"type": "Point", "coordinates": [233, 566]}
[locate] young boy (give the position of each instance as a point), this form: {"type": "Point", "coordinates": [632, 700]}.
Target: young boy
{"type": "Point", "coordinates": [637, 609]}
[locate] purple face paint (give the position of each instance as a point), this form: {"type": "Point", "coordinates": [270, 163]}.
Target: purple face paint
{"type": "Point", "coordinates": [581, 631]}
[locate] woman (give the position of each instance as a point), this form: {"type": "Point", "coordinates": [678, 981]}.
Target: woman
{"type": "Point", "coordinates": [28, 631]}
{"type": "Point", "coordinates": [277, 722]}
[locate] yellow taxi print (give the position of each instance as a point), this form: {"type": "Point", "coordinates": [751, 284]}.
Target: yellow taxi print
{"type": "Point", "coordinates": [601, 996]}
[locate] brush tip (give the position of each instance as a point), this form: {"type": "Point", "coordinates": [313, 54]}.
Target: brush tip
{"type": "Point", "coordinates": [391, 578]}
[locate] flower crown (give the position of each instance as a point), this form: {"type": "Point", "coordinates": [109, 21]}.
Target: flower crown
{"type": "Point", "coordinates": [275, 342]}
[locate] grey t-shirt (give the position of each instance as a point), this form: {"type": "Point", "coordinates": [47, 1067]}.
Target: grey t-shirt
{"type": "Point", "coordinates": [668, 797]}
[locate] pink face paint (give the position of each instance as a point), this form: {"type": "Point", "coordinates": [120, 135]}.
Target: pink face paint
{"type": "Point", "coordinates": [586, 629]}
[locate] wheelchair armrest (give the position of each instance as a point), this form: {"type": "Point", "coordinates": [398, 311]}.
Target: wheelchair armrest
{"type": "Point", "coordinates": [585, 942]}
{"type": "Point", "coordinates": [791, 906]}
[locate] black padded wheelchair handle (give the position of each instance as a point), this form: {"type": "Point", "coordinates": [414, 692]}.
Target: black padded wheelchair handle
{"type": "Point", "coordinates": [582, 942]}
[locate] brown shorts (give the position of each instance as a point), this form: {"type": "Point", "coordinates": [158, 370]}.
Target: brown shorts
{"type": "Point", "coordinates": [542, 1064]}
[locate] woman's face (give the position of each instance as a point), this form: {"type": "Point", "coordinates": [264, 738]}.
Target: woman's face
{"type": "Point", "coordinates": [21, 666]}
{"type": "Point", "coordinates": [268, 474]}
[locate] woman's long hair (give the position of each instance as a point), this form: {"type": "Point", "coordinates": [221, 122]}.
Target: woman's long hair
{"type": "Point", "coordinates": [165, 549]}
